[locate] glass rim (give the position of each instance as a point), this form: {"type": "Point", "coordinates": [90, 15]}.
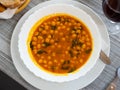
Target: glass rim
{"type": "Point", "coordinates": [107, 2]}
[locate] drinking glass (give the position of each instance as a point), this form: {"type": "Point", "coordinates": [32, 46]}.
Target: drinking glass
{"type": "Point", "coordinates": [111, 9]}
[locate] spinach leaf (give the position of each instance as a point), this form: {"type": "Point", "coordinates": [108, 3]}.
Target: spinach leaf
{"type": "Point", "coordinates": [76, 42]}
{"type": "Point", "coordinates": [41, 51]}
{"type": "Point", "coordinates": [71, 70]}
{"type": "Point", "coordinates": [31, 46]}
{"type": "Point", "coordinates": [46, 44]}
{"type": "Point", "coordinates": [88, 51]}
{"type": "Point", "coordinates": [71, 53]}
{"type": "Point", "coordinates": [53, 27]}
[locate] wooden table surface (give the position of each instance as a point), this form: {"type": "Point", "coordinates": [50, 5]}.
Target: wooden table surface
{"type": "Point", "coordinates": [7, 66]}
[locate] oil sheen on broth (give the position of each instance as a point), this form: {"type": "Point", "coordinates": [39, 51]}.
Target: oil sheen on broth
{"type": "Point", "coordinates": [60, 43]}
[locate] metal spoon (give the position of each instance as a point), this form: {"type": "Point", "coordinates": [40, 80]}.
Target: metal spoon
{"type": "Point", "coordinates": [112, 85]}
{"type": "Point", "coordinates": [104, 58]}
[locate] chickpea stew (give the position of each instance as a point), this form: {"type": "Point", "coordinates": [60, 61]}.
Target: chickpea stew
{"type": "Point", "coordinates": [60, 43]}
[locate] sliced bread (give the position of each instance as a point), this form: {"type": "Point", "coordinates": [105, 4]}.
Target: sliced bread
{"type": "Point", "coordinates": [10, 3]}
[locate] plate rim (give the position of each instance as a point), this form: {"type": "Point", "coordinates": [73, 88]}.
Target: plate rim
{"type": "Point", "coordinates": [31, 11]}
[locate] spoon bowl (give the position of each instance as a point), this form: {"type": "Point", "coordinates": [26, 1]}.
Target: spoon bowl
{"type": "Point", "coordinates": [112, 85]}
{"type": "Point", "coordinates": [118, 72]}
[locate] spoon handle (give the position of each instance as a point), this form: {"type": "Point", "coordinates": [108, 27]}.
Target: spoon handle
{"type": "Point", "coordinates": [104, 58]}
{"type": "Point", "coordinates": [112, 85]}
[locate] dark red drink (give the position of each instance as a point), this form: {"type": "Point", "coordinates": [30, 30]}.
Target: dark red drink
{"type": "Point", "coordinates": [111, 9]}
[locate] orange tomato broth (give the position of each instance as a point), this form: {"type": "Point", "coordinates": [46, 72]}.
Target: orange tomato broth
{"type": "Point", "coordinates": [59, 44]}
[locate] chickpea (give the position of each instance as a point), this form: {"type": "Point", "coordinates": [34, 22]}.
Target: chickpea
{"type": "Point", "coordinates": [40, 61]}
{"type": "Point", "coordinates": [66, 52]}
{"type": "Point", "coordinates": [72, 62]}
{"type": "Point", "coordinates": [49, 57]}
{"type": "Point", "coordinates": [83, 32]}
{"type": "Point", "coordinates": [66, 23]}
{"type": "Point", "coordinates": [56, 44]}
{"type": "Point", "coordinates": [87, 36]}
{"type": "Point", "coordinates": [83, 38]}
{"type": "Point", "coordinates": [34, 43]}
{"type": "Point", "coordinates": [75, 52]}
{"type": "Point", "coordinates": [63, 39]}
{"type": "Point", "coordinates": [83, 56]}
{"type": "Point", "coordinates": [87, 39]}
{"type": "Point", "coordinates": [35, 51]}
{"type": "Point", "coordinates": [63, 55]}
{"type": "Point", "coordinates": [34, 38]}
{"type": "Point", "coordinates": [46, 27]}
{"type": "Point", "coordinates": [68, 29]}
{"type": "Point", "coordinates": [49, 51]}
{"type": "Point", "coordinates": [54, 19]}
{"type": "Point", "coordinates": [61, 33]}
{"type": "Point", "coordinates": [58, 64]}
{"type": "Point", "coordinates": [69, 24]}
{"type": "Point", "coordinates": [59, 46]}
{"type": "Point", "coordinates": [38, 46]}
{"type": "Point", "coordinates": [74, 57]}
{"type": "Point", "coordinates": [88, 43]}
{"type": "Point", "coordinates": [61, 24]}
{"type": "Point", "coordinates": [53, 23]}
{"type": "Point", "coordinates": [56, 31]}
{"type": "Point", "coordinates": [68, 48]}
{"type": "Point", "coordinates": [45, 23]}
{"type": "Point", "coordinates": [34, 47]}
{"type": "Point", "coordinates": [62, 19]}
{"type": "Point", "coordinates": [58, 23]}
{"type": "Point", "coordinates": [73, 21]}
{"type": "Point", "coordinates": [62, 60]}
{"type": "Point", "coordinates": [38, 55]}
{"type": "Point", "coordinates": [78, 24]}
{"type": "Point", "coordinates": [53, 46]}
{"type": "Point", "coordinates": [63, 27]}
{"type": "Point", "coordinates": [77, 62]}
{"type": "Point", "coordinates": [50, 62]}
{"type": "Point", "coordinates": [57, 68]}
{"type": "Point", "coordinates": [73, 32]}
{"type": "Point", "coordinates": [83, 46]}
{"type": "Point", "coordinates": [78, 31]}
{"type": "Point", "coordinates": [78, 47]}
{"type": "Point", "coordinates": [42, 57]}
{"type": "Point", "coordinates": [55, 61]}
{"type": "Point", "coordinates": [51, 31]}
{"type": "Point", "coordinates": [44, 61]}
{"type": "Point", "coordinates": [36, 33]}
{"type": "Point", "coordinates": [47, 39]}
{"type": "Point", "coordinates": [45, 66]}
{"type": "Point", "coordinates": [44, 32]}
{"type": "Point", "coordinates": [74, 35]}
{"type": "Point", "coordinates": [40, 37]}
{"type": "Point", "coordinates": [52, 41]}
{"type": "Point", "coordinates": [53, 54]}
{"type": "Point", "coordinates": [81, 60]}
{"type": "Point", "coordinates": [42, 41]}
{"type": "Point", "coordinates": [49, 36]}
{"type": "Point", "coordinates": [40, 29]}
{"type": "Point", "coordinates": [59, 28]}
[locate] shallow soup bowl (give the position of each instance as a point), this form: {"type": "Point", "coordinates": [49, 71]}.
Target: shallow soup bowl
{"type": "Point", "coordinates": [53, 9]}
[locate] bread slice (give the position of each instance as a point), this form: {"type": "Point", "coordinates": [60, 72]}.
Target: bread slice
{"type": "Point", "coordinates": [2, 8]}
{"type": "Point", "coordinates": [10, 3]}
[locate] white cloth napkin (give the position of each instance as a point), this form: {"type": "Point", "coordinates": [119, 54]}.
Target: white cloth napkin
{"type": "Point", "coordinates": [7, 14]}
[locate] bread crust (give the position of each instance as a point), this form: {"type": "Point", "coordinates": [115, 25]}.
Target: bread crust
{"type": "Point", "coordinates": [2, 8]}
{"type": "Point", "coordinates": [10, 3]}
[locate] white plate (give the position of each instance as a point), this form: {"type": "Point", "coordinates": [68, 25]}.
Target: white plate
{"type": "Point", "coordinates": [45, 85]}
{"type": "Point", "coordinates": [52, 9]}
